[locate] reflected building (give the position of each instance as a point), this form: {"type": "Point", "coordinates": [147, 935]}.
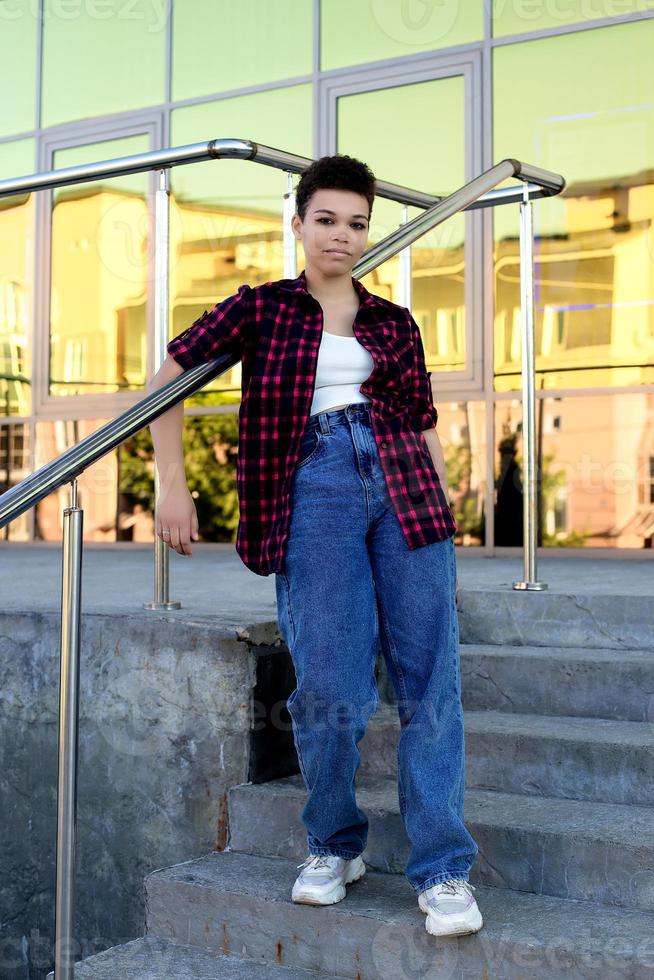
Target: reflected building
{"type": "Point", "coordinates": [428, 104]}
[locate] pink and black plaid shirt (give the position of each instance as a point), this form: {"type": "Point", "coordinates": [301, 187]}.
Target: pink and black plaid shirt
{"type": "Point", "coordinates": [276, 329]}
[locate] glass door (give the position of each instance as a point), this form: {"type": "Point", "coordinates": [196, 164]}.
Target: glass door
{"type": "Point", "coordinates": [97, 272]}
{"type": "Point", "coordinates": [412, 125]}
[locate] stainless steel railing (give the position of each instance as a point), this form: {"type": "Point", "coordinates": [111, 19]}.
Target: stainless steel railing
{"type": "Point", "coordinates": [479, 192]}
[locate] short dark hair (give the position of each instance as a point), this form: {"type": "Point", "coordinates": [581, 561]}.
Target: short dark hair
{"type": "Point", "coordinates": [337, 172]}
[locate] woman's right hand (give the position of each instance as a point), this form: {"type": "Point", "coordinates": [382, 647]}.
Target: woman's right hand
{"type": "Point", "coordinates": [176, 519]}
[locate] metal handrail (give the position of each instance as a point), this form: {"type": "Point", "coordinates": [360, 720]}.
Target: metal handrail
{"type": "Point", "coordinates": [69, 464]}
{"type": "Point", "coordinates": [545, 182]}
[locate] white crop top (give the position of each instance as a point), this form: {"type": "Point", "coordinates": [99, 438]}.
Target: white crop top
{"type": "Point", "coordinates": [343, 365]}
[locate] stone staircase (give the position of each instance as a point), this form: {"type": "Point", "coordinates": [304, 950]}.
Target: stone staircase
{"type": "Point", "coordinates": [560, 799]}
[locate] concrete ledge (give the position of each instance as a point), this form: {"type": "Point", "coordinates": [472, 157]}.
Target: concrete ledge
{"type": "Point", "coordinates": [587, 682]}
{"type": "Point", "coordinates": [150, 958]}
{"type": "Point", "coordinates": [573, 758]}
{"type": "Point", "coordinates": [164, 732]}
{"type": "Point", "coordinates": [377, 931]}
{"type": "Point", "coordinates": [593, 852]}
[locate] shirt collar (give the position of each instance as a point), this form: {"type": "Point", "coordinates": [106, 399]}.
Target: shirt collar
{"type": "Point", "coordinates": [299, 285]}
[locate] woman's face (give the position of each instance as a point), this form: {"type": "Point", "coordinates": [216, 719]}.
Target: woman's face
{"type": "Point", "coordinates": [334, 232]}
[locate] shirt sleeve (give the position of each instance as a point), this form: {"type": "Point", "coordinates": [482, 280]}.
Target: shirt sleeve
{"type": "Point", "coordinates": [221, 331]}
{"type": "Point", "coordinates": [421, 403]}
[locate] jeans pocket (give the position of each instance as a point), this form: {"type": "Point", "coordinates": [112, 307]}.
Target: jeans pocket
{"type": "Point", "coordinates": [309, 445]}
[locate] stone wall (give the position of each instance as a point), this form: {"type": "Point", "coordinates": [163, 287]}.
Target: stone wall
{"type": "Point", "coordinates": [163, 734]}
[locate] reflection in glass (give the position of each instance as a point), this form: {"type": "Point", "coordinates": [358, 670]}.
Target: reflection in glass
{"type": "Point", "coordinates": [209, 447]}
{"type": "Point", "coordinates": [594, 468]}
{"type": "Point", "coordinates": [14, 467]}
{"type": "Point", "coordinates": [16, 291]}
{"type": "Point", "coordinates": [259, 43]}
{"type": "Point", "coordinates": [102, 57]}
{"type": "Point", "coordinates": [117, 491]}
{"type": "Point", "coordinates": [96, 485]}
{"type": "Point", "coordinates": [352, 33]}
{"type": "Point", "coordinates": [226, 215]}
{"type": "Point", "coordinates": [100, 258]}
{"type": "Point", "coordinates": [462, 432]}
{"type": "Point", "coordinates": [594, 245]}
{"type": "Point", "coordinates": [437, 167]}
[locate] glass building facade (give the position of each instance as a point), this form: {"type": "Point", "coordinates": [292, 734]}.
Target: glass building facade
{"type": "Point", "coordinates": [429, 95]}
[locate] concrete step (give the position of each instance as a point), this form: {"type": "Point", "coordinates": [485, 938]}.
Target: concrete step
{"type": "Point", "coordinates": [616, 685]}
{"type": "Point", "coordinates": [550, 680]}
{"type": "Point", "coordinates": [575, 617]}
{"type": "Point", "coordinates": [574, 758]}
{"type": "Point", "coordinates": [597, 852]}
{"type": "Point", "coordinates": [242, 902]}
{"type": "Point", "coordinates": [152, 958]}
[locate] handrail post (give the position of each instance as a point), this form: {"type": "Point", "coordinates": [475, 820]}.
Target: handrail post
{"type": "Point", "coordinates": [289, 242]}
{"type": "Point", "coordinates": [529, 498]}
{"type": "Point", "coordinates": [405, 258]}
{"type": "Point", "coordinates": [71, 583]}
{"type": "Point", "coordinates": [162, 598]}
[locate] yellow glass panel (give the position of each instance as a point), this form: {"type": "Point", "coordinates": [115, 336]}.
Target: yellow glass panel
{"type": "Point", "coordinates": [14, 467]}
{"type": "Point", "coordinates": [521, 16]}
{"type": "Point", "coordinates": [596, 468]}
{"type": "Point", "coordinates": [102, 57]}
{"type": "Point", "coordinates": [117, 491]}
{"type": "Point", "coordinates": [462, 432]}
{"type": "Point", "coordinates": [422, 112]}
{"type": "Point", "coordinates": [594, 245]}
{"type": "Point", "coordinates": [97, 484]}
{"type": "Point", "coordinates": [18, 48]}
{"type": "Point", "coordinates": [239, 44]}
{"type": "Point", "coordinates": [100, 255]}
{"type": "Point", "coordinates": [226, 215]}
{"type": "Point", "coordinates": [16, 282]}
{"type": "Point", "coordinates": [352, 33]}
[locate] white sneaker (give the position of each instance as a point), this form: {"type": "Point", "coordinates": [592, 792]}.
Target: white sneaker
{"type": "Point", "coordinates": [323, 880]}
{"type": "Point", "coordinates": [451, 908]}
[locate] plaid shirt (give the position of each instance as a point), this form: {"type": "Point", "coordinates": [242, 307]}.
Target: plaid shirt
{"type": "Point", "coordinates": [275, 330]}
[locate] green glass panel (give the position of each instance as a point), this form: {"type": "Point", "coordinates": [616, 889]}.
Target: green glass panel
{"type": "Point", "coordinates": [18, 47]}
{"type": "Point", "coordinates": [239, 44]}
{"type": "Point", "coordinates": [16, 159]}
{"type": "Point", "coordinates": [522, 16]}
{"type": "Point", "coordinates": [352, 33]}
{"type": "Point", "coordinates": [16, 283]}
{"type": "Point", "coordinates": [101, 57]}
{"type": "Point", "coordinates": [414, 153]}
{"type": "Point", "coordinates": [594, 297]}
{"type": "Point", "coordinates": [226, 223]}
{"type": "Point", "coordinates": [100, 256]}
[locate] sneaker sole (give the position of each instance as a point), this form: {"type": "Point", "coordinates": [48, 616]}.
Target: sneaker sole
{"type": "Point", "coordinates": [453, 925]}
{"type": "Point", "coordinates": [337, 894]}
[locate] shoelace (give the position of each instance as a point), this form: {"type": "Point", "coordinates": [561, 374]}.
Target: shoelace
{"type": "Point", "coordinates": [451, 885]}
{"type": "Point", "coordinates": [322, 860]}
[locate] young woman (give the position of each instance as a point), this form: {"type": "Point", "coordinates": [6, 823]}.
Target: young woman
{"type": "Point", "coordinates": [343, 496]}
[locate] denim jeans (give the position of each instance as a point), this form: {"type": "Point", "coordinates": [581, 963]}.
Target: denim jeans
{"type": "Point", "coordinates": [348, 585]}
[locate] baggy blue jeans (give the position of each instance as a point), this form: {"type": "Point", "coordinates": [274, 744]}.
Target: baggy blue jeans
{"type": "Point", "coordinates": [349, 582]}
